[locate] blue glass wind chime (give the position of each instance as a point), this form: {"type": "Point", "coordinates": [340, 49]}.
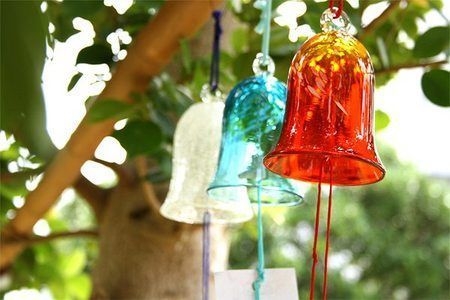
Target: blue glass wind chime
{"type": "Point", "coordinates": [252, 120]}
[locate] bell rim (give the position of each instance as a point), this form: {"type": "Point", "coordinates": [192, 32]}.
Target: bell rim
{"type": "Point", "coordinates": [300, 198]}
{"type": "Point", "coordinates": [165, 212]}
{"type": "Point", "coordinates": [376, 164]}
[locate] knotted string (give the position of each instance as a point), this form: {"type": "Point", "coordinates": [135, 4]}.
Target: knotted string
{"type": "Point", "coordinates": [213, 84]}
{"type": "Point", "coordinates": [264, 27]}
{"type": "Point", "coordinates": [327, 240]}
{"type": "Point", "coordinates": [214, 71]}
{"type": "Point", "coordinates": [316, 232]}
{"type": "Point", "coordinates": [266, 32]}
{"type": "Point", "coordinates": [339, 9]}
{"type": "Point", "coordinates": [260, 268]}
{"type": "Point", "coordinates": [205, 258]}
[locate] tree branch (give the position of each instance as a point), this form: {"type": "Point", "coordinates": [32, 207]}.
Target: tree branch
{"type": "Point", "coordinates": [29, 240]}
{"type": "Point", "coordinates": [124, 174]}
{"type": "Point", "coordinates": [93, 194]}
{"type": "Point", "coordinates": [150, 52]}
{"type": "Point", "coordinates": [379, 20]}
{"type": "Point", "coordinates": [410, 66]}
{"type": "Point", "coordinates": [147, 188]}
{"type": "Point", "coordinates": [6, 176]}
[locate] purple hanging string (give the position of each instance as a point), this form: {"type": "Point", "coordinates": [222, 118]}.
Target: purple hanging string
{"type": "Point", "coordinates": [214, 84]}
{"type": "Point", "coordinates": [214, 74]}
{"type": "Point", "coordinates": [205, 262]}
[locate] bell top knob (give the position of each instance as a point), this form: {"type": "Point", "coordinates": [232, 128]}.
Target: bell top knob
{"type": "Point", "coordinates": [329, 22]}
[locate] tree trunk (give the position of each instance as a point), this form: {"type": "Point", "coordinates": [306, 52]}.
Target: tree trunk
{"type": "Point", "coordinates": [143, 256]}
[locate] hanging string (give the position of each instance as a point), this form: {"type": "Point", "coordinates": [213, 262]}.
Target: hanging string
{"type": "Point", "coordinates": [260, 268]}
{"type": "Point", "coordinates": [266, 33]}
{"type": "Point", "coordinates": [213, 84]}
{"type": "Point", "coordinates": [205, 258]}
{"type": "Point", "coordinates": [214, 71]}
{"type": "Point", "coordinates": [316, 233]}
{"type": "Point", "coordinates": [327, 240]}
{"type": "Point", "coordinates": [339, 9]}
{"type": "Point", "coordinates": [264, 27]}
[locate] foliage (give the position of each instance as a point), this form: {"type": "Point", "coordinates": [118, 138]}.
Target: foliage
{"type": "Point", "coordinates": [435, 86]}
{"type": "Point", "coordinates": [388, 241]}
{"type": "Point", "coordinates": [23, 33]}
{"type": "Point", "coordinates": [62, 266]}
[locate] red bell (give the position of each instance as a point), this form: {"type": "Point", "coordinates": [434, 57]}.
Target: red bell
{"type": "Point", "coordinates": [328, 124]}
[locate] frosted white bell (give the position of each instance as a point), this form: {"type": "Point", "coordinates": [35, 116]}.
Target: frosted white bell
{"type": "Point", "coordinates": [195, 154]}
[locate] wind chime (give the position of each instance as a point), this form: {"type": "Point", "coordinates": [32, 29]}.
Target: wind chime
{"type": "Point", "coordinates": [195, 152]}
{"type": "Point", "coordinates": [327, 134]}
{"type": "Point", "coordinates": [252, 121]}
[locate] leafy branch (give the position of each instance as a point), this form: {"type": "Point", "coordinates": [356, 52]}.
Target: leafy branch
{"type": "Point", "coordinates": [410, 66]}
{"type": "Point", "coordinates": [147, 57]}
{"type": "Point", "coordinates": [29, 240]}
{"type": "Point", "coordinates": [379, 20]}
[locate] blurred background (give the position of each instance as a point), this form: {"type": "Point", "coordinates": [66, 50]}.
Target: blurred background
{"type": "Point", "coordinates": [389, 240]}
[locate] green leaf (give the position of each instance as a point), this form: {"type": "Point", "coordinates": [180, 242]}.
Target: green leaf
{"type": "Point", "coordinates": [432, 42]}
{"type": "Point", "coordinates": [13, 189]}
{"type": "Point", "coordinates": [74, 81]}
{"type": "Point", "coordinates": [79, 287]}
{"type": "Point", "coordinates": [23, 34]}
{"type": "Point", "coordinates": [63, 24]}
{"type": "Point", "coordinates": [239, 39]}
{"type": "Point", "coordinates": [248, 14]}
{"type": "Point", "coordinates": [242, 65]}
{"type": "Point", "coordinates": [80, 8]}
{"type": "Point", "coordinates": [435, 86]}
{"type": "Point", "coordinates": [73, 263]}
{"type": "Point", "coordinates": [140, 137]}
{"type": "Point", "coordinates": [382, 120]}
{"type": "Point", "coordinates": [63, 29]}
{"type": "Point", "coordinates": [279, 44]}
{"type": "Point", "coordinates": [11, 153]}
{"type": "Point", "coordinates": [109, 108]}
{"type": "Point", "coordinates": [95, 54]}
{"type": "Point", "coordinates": [282, 65]}
{"type": "Point", "coordinates": [186, 58]}
{"type": "Point", "coordinates": [164, 170]}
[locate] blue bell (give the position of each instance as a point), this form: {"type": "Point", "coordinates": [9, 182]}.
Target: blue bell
{"type": "Point", "coordinates": [251, 125]}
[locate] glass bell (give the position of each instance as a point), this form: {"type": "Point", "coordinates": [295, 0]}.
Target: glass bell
{"type": "Point", "coordinates": [195, 152]}
{"type": "Point", "coordinates": [252, 120]}
{"type": "Point", "coordinates": [329, 111]}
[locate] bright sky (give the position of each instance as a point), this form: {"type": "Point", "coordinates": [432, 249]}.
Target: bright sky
{"type": "Point", "coordinates": [418, 128]}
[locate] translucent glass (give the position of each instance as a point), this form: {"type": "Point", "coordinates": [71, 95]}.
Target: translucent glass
{"type": "Point", "coordinates": [329, 113]}
{"type": "Point", "coordinates": [252, 121]}
{"type": "Point", "coordinates": [195, 154]}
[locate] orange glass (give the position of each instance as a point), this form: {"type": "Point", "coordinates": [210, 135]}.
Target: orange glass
{"type": "Point", "coordinates": [328, 124]}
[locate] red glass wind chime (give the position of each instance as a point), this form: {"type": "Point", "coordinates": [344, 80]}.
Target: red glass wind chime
{"type": "Point", "coordinates": [327, 134]}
